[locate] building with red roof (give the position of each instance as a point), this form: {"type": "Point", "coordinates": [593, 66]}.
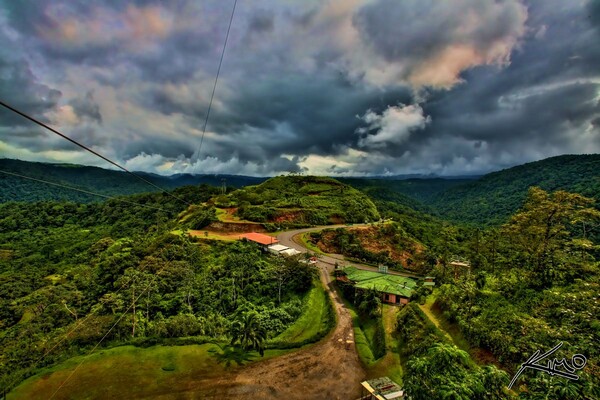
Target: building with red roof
{"type": "Point", "coordinates": [263, 240]}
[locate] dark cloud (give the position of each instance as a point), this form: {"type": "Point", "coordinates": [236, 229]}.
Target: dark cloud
{"type": "Point", "coordinates": [433, 41]}
{"type": "Point", "coordinates": [594, 12]}
{"type": "Point", "coordinates": [421, 29]}
{"type": "Point", "coordinates": [77, 32]}
{"type": "Point", "coordinates": [371, 87]}
{"type": "Point", "coordinates": [86, 107]}
{"type": "Point", "coordinates": [261, 23]}
{"type": "Point", "coordinates": [168, 147]}
{"type": "Point", "coordinates": [315, 115]}
{"type": "Point", "coordinates": [87, 134]}
{"type": "Point", "coordinates": [22, 90]}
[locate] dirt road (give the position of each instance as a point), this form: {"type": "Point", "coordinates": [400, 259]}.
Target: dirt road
{"type": "Point", "coordinates": [329, 369]}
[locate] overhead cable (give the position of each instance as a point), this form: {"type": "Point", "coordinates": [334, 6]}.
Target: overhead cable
{"type": "Point", "coordinates": [80, 190]}
{"type": "Point", "coordinates": [43, 125]}
{"type": "Point", "coordinates": [216, 80]}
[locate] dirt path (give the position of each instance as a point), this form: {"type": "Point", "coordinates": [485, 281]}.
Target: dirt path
{"type": "Point", "coordinates": [426, 308]}
{"type": "Point", "coordinates": [329, 369]}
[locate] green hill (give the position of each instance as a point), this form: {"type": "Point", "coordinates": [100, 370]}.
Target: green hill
{"type": "Point", "coordinates": [423, 190]}
{"type": "Point", "coordinates": [495, 196]}
{"type": "Point", "coordinates": [301, 200]}
{"type": "Point", "coordinates": [103, 181]}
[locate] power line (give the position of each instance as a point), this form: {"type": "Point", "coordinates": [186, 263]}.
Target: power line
{"type": "Point", "coordinates": [77, 326]}
{"type": "Point", "coordinates": [102, 339]}
{"type": "Point", "coordinates": [216, 80]}
{"type": "Point", "coordinates": [24, 115]}
{"type": "Point", "coordinates": [153, 279]}
{"type": "Point", "coordinates": [80, 190]}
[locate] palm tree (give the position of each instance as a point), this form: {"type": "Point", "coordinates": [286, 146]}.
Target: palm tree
{"type": "Point", "coordinates": [248, 332]}
{"type": "Point", "coordinates": [229, 354]}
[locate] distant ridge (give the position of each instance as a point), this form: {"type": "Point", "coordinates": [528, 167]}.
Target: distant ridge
{"type": "Point", "coordinates": [100, 180]}
{"type": "Point", "coordinates": [489, 199]}
{"type": "Point", "coordinates": [495, 196]}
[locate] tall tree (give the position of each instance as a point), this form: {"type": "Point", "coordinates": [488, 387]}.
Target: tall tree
{"type": "Point", "coordinates": [541, 232]}
{"type": "Point", "coordinates": [248, 332]}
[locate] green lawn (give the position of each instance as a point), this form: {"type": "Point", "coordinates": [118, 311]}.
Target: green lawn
{"type": "Point", "coordinates": [130, 372]}
{"type": "Point", "coordinates": [224, 216]}
{"type": "Point", "coordinates": [308, 244]}
{"type": "Point", "coordinates": [389, 365]}
{"type": "Point", "coordinates": [134, 372]}
{"type": "Point", "coordinates": [451, 331]}
{"type": "Point", "coordinates": [314, 322]}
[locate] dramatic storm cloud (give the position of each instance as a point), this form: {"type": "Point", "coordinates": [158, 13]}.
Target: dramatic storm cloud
{"type": "Point", "coordinates": [337, 87]}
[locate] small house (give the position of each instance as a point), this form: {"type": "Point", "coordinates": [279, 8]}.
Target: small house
{"type": "Point", "coordinates": [460, 267]}
{"type": "Point", "coordinates": [289, 252]}
{"type": "Point", "coordinates": [282, 250]}
{"type": "Point", "coordinates": [429, 281]}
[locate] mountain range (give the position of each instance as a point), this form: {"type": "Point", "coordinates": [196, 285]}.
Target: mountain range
{"type": "Point", "coordinates": [488, 199]}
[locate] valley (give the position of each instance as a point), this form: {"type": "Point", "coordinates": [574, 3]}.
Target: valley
{"type": "Point", "coordinates": [336, 200]}
{"type": "Point", "coordinates": [199, 291]}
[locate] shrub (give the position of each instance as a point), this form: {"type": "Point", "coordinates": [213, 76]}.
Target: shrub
{"type": "Point", "coordinates": [378, 343]}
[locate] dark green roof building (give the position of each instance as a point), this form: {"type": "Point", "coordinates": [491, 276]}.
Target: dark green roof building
{"type": "Point", "coordinates": [395, 289]}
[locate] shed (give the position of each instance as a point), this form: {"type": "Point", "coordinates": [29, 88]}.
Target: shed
{"type": "Point", "coordinates": [382, 389]}
{"type": "Point", "coordinates": [277, 248]}
{"type": "Point", "coordinates": [289, 252]}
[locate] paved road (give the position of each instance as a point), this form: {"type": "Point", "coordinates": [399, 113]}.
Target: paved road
{"type": "Point", "coordinates": [327, 261]}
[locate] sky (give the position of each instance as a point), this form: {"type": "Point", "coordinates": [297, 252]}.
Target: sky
{"type": "Point", "coordinates": [330, 87]}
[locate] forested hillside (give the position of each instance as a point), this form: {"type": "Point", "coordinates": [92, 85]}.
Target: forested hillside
{"type": "Point", "coordinates": [99, 180]}
{"type": "Point", "coordinates": [301, 200]}
{"type": "Point", "coordinates": [531, 284]}
{"type": "Point", "coordinates": [532, 281]}
{"type": "Point", "coordinates": [423, 190]}
{"type": "Point", "coordinates": [489, 199]}
{"type": "Point", "coordinates": [494, 197]}
{"type": "Point", "coordinates": [118, 269]}
{"type": "Point", "coordinates": [387, 244]}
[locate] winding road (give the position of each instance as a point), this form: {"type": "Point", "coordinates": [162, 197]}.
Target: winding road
{"type": "Point", "coordinates": [329, 369]}
{"type": "Point", "coordinates": [291, 239]}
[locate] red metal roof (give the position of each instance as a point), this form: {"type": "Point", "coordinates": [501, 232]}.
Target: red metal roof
{"type": "Point", "coordinates": [259, 238]}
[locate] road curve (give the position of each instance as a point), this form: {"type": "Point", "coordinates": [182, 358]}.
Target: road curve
{"type": "Point", "coordinates": [289, 239]}
{"type": "Point", "coordinates": [329, 369]}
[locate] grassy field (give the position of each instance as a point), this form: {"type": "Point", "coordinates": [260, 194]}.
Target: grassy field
{"type": "Point", "coordinates": [314, 322]}
{"type": "Point", "coordinates": [389, 365]}
{"type": "Point", "coordinates": [224, 216]}
{"type": "Point", "coordinates": [304, 200]}
{"type": "Point", "coordinates": [210, 235]}
{"type": "Point", "coordinates": [165, 371]}
{"type": "Point", "coordinates": [132, 373]}
{"type": "Point", "coordinates": [308, 244]}
{"type": "Point", "coordinates": [443, 325]}
{"type": "Point", "coordinates": [452, 331]}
